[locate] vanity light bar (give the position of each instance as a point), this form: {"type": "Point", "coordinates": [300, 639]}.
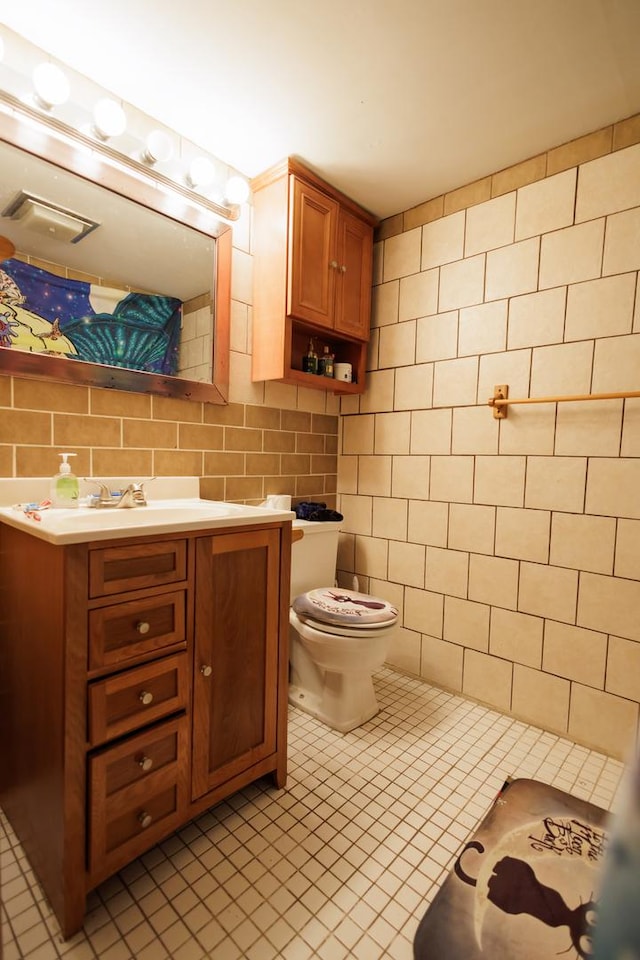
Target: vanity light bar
{"type": "Point", "coordinates": [51, 139]}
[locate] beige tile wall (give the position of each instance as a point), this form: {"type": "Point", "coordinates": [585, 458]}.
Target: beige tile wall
{"type": "Point", "coordinates": [271, 438]}
{"type": "Point", "coordinates": [511, 547]}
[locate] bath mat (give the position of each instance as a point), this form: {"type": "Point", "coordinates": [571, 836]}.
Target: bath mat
{"type": "Point", "coordinates": [524, 886]}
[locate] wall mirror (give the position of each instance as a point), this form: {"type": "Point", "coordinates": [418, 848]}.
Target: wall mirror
{"type": "Point", "coordinates": [151, 237]}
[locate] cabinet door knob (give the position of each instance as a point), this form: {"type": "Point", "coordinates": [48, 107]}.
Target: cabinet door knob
{"type": "Point", "coordinates": [205, 670]}
{"type": "Point", "coordinates": [333, 264]}
{"type": "Point", "coordinates": [343, 268]}
{"type": "Point", "coordinates": [146, 698]}
{"type": "Point", "coordinates": [144, 819]}
{"type": "Point", "coordinates": [142, 627]}
{"type": "Point", "coordinates": [145, 762]}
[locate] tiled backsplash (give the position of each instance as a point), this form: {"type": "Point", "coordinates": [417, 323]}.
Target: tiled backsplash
{"type": "Point", "coordinates": [511, 547]}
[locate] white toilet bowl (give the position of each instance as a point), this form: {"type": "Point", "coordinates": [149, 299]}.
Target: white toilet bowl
{"type": "Point", "coordinates": [335, 647]}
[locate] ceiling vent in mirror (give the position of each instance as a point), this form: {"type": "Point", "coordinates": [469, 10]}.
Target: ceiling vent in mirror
{"type": "Point", "coordinates": [53, 221]}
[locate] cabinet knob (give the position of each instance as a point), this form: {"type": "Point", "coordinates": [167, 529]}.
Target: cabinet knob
{"type": "Point", "coordinates": [142, 627]}
{"type": "Point", "coordinates": [333, 264]}
{"type": "Point", "coordinates": [205, 670]}
{"type": "Point", "coordinates": [145, 763]}
{"type": "Point", "coordinates": [343, 268]}
{"type": "Point", "coordinates": [146, 698]}
{"type": "Point", "coordinates": [144, 819]}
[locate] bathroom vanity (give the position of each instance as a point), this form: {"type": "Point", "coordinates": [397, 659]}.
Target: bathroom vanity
{"type": "Point", "coordinates": [143, 678]}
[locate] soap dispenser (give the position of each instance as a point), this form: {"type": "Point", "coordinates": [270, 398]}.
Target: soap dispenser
{"type": "Point", "coordinates": [64, 486]}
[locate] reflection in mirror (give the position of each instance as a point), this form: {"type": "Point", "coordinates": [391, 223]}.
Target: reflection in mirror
{"type": "Point", "coordinates": [102, 288]}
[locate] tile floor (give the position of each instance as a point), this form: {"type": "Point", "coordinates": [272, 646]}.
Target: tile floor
{"type": "Point", "coordinates": [341, 864]}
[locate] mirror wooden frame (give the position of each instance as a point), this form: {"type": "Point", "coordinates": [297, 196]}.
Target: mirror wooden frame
{"type": "Point", "coordinates": [101, 165]}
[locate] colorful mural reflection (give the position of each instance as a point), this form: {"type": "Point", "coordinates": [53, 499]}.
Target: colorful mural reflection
{"type": "Point", "coordinates": [43, 313]}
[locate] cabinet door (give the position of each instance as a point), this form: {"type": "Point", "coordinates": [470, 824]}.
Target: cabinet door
{"type": "Point", "coordinates": [354, 276]}
{"type": "Point", "coordinates": [236, 658]}
{"type": "Point", "coordinates": [312, 254]}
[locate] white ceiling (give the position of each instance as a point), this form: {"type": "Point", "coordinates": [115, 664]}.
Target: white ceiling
{"type": "Point", "coordinates": [393, 101]}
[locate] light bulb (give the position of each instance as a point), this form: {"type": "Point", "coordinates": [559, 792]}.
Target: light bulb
{"type": "Point", "coordinates": [201, 172]}
{"type": "Point", "coordinates": [158, 147]}
{"type": "Point", "coordinates": [51, 85]}
{"type": "Point", "coordinates": [109, 119]}
{"type": "Point", "coordinates": [237, 190]}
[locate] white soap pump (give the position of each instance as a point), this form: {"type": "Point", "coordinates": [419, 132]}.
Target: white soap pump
{"type": "Point", "coordinates": [64, 486]}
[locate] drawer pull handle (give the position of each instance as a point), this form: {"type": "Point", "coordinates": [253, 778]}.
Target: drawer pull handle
{"type": "Point", "coordinates": [144, 819]}
{"type": "Point", "coordinates": [146, 698]}
{"type": "Point", "coordinates": [333, 264]}
{"type": "Point", "coordinates": [205, 670]}
{"type": "Point", "coordinates": [143, 627]}
{"type": "Point", "coordinates": [145, 763]}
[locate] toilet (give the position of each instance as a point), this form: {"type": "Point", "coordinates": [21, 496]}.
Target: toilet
{"type": "Point", "coordinates": [338, 637]}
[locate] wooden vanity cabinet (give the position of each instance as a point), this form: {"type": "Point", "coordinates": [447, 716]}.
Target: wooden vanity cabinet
{"type": "Point", "coordinates": [141, 681]}
{"type": "Point", "coordinates": [313, 265]}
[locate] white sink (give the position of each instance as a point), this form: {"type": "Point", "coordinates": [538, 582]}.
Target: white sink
{"type": "Point", "coordinates": [159, 516]}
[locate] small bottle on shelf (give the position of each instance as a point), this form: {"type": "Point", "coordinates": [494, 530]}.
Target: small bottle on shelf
{"type": "Point", "coordinates": [327, 363]}
{"type": "Point", "coordinates": [310, 359]}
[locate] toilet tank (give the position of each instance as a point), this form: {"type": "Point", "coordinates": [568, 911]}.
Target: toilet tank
{"type": "Point", "coordinates": [314, 558]}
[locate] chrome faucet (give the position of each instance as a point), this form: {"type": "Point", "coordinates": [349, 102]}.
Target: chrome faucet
{"type": "Point", "coordinates": [132, 496]}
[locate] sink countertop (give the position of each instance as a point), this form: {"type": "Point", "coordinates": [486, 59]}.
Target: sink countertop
{"type": "Point", "coordinates": [174, 516]}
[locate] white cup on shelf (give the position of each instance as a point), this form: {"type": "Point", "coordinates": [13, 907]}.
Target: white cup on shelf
{"type": "Point", "coordinates": [343, 371]}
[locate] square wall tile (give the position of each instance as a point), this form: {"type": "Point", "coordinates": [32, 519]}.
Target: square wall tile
{"type": "Point", "coordinates": [402, 255]}
{"type": "Point", "coordinates": [483, 328]}
{"type": "Point", "coordinates": [572, 254]}
{"type": "Point", "coordinates": [536, 319]}
{"type": "Point", "coordinates": [423, 611]}
{"type": "Point", "coordinates": [443, 240]}
{"type": "Point", "coordinates": [451, 479]}
{"type": "Point", "coordinates": [562, 369]}
{"type": "Point", "coordinates": [493, 580]}
{"type": "Point", "coordinates": [428, 522]}
{"type": "Point", "coordinates": [574, 653]}
{"type": "Point", "coordinates": [474, 431]}
{"type": "Point", "coordinates": [600, 308]}
{"type": "Point", "coordinates": [540, 698]}
{"type": "Point", "coordinates": [430, 431]}
{"type": "Point", "coordinates": [487, 679]}
{"type": "Point", "coordinates": [512, 368]}
{"type": "Point", "coordinates": [589, 429]}
{"type": "Point", "coordinates": [418, 295]}
{"type": "Point", "coordinates": [490, 224]}
{"type": "Point", "coordinates": [512, 270]}
{"type": "Point", "coordinates": [546, 205]}
{"type": "Point", "coordinates": [609, 184]}
{"type": "Point", "coordinates": [627, 559]}
{"type": "Point", "coordinates": [472, 527]}
{"type": "Point", "coordinates": [631, 429]}
{"type": "Point", "coordinates": [392, 433]}
{"type": "Point", "coordinates": [410, 477]}
{"type": "Point", "coordinates": [550, 592]}
{"type": "Point", "coordinates": [556, 483]}
{"type": "Point", "coordinates": [437, 337]}
{"type": "Point", "coordinates": [606, 722]}
{"type": "Point", "coordinates": [389, 518]}
{"type": "Point", "coordinates": [529, 429]}
{"type": "Point", "coordinates": [610, 605]}
{"type": "Point", "coordinates": [455, 382]}
{"type": "Point", "coordinates": [623, 668]}
{"type": "Point", "coordinates": [616, 364]}
{"type": "Point", "coordinates": [357, 512]}
{"type": "Point", "coordinates": [447, 571]}
{"type": "Point", "coordinates": [405, 651]}
{"type": "Point", "coordinates": [371, 556]}
{"type": "Point", "coordinates": [374, 476]}
{"type": "Point", "coordinates": [523, 534]}
{"type": "Point", "coordinates": [357, 434]}
{"type": "Point", "coordinates": [407, 563]}
{"type": "Point", "coordinates": [462, 283]}
{"type": "Point", "coordinates": [441, 663]}
{"type": "Point", "coordinates": [397, 345]}
{"type": "Point", "coordinates": [347, 474]}
{"type": "Point", "coordinates": [384, 304]}
{"type": "Point", "coordinates": [413, 387]}
{"type": "Point", "coordinates": [582, 542]}
{"type": "Point", "coordinates": [378, 395]}
{"type": "Point", "coordinates": [500, 480]}
{"type": "Point", "coordinates": [466, 623]}
{"type": "Point", "coordinates": [612, 487]}
{"type": "Point", "coordinates": [516, 636]}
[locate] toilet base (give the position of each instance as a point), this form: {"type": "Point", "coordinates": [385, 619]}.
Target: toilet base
{"type": "Point", "coordinates": [345, 702]}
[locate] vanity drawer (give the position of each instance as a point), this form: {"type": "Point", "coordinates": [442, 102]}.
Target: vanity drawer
{"type": "Point", "coordinates": [137, 697]}
{"type": "Point", "coordinates": [126, 630]}
{"type": "Point", "coordinates": [118, 569]}
{"type": "Point", "coordinates": [137, 794]}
